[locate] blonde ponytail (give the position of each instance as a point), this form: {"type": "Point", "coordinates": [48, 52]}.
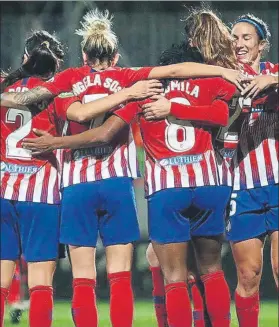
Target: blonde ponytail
{"type": "Point", "coordinates": [99, 41]}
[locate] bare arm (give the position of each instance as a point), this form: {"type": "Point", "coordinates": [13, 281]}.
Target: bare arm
{"type": "Point", "coordinates": [93, 137]}
{"type": "Point", "coordinates": [192, 70]}
{"type": "Point", "coordinates": [21, 100]}
{"type": "Point", "coordinates": [82, 112]}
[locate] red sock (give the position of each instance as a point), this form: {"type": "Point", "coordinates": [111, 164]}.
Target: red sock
{"type": "Point", "coordinates": [198, 313]}
{"type": "Point", "coordinates": [247, 309]}
{"type": "Point", "coordinates": [217, 297]}
{"type": "Point", "coordinates": [4, 294]}
{"type": "Point", "coordinates": [41, 304]}
{"type": "Point", "coordinates": [159, 296]}
{"type": "Point", "coordinates": [121, 299]}
{"type": "Point", "coordinates": [178, 305]}
{"type": "Point", "coordinates": [14, 293]}
{"type": "Point", "coordinates": [84, 309]}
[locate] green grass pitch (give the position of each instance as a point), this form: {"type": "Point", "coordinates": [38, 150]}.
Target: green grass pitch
{"type": "Point", "coordinates": [144, 316]}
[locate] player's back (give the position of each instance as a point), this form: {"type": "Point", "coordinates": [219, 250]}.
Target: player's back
{"type": "Point", "coordinates": [171, 137]}
{"type": "Point", "coordinates": [179, 153]}
{"type": "Point", "coordinates": [24, 177]}
{"type": "Point", "coordinates": [83, 79]}
{"type": "Point", "coordinates": [116, 159]}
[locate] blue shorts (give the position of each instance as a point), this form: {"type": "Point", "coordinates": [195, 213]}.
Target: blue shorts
{"type": "Point", "coordinates": [253, 212]}
{"type": "Point", "coordinates": [177, 214]}
{"type": "Point", "coordinates": [31, 229]}
{"type": "Point", "coordinates": [106, 207]}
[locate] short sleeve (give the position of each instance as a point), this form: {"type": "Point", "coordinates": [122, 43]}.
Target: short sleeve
{"type": "Point", "coordinates": [62, 82]}
{"type": "Point", "coordinates": [132, 76]}
{"type": "Point", "coordinates": [128, 113]}
{"type": "Point", "coordinates": [62, 103]}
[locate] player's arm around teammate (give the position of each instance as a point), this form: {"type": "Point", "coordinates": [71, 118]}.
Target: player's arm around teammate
{"type": "Point", "coordinates": [254, 203]}
{"type": "Point", "coordinates": [63, 82]}
{"type": "Point", "coordinates": [107, 132]}
{"type": "Point", "coordinates": [29, 191]}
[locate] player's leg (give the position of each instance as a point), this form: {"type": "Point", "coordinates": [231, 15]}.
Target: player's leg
{"type": "Point", "coordinates": [274, 256]}
{"type": "Point", "coordinates": [158, 287]}
{"type": "Point", "coordinates": [207, 217]}
{"type": "Point", "coordinates": [248, 257]}
{"type": "Point", "coordinates": [119, 229]}
{"type": "Point", "coordinates": [272, 222]}
{"type": "Point", "coordinates": [208, 253]}
{"type": "Point", "coordinates": [9, 251]}
{"type": "Point", "coordinates": [119, 263]}
{"type": "Point", "coordinates": [169, 232]}
{"type": "Point", "coordinates": [39, 230]}
{"type": "Point", "coordinates": [246, 230]}
{"type": "Point", "coordinates": [200, 314]}
{"type": "Point", "coordinates": [79, 230]}
{"type": "Point", "coordinates": [14, 298]}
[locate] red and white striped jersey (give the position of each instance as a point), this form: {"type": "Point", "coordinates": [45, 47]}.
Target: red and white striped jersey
{"type": "Point", "coordinates": [226, 140]}
{"type": "Point", "coordinates": [117, 159]}
{"type": "Point", "coordinates": [180, 153]}
{"type": "Point", "coordinates": [256, 161]}
{"type": "Point", "coordinates": [24, 178]}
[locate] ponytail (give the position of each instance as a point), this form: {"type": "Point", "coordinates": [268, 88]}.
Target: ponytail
{"type": "Point", "coordinates": [99, 42]}
{"type": "Point", "coordinates": [41, 63]}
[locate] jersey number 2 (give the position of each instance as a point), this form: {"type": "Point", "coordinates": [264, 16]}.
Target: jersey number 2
{"type": "Point", "coordinates": [12, 151]}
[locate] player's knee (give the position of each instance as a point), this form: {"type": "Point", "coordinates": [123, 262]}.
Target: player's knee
{"type": "Point", "coordinates": [41, 273]}
{"type": "Point", "coordinates": [84, 270]}
{"type": "Point", "coordinates": [209, 269]}
{"type": "Point", "coordinates": [174, 274]}
{"type": "Point", "coordinates": [249, 276]}
{"type": "Point", "coordinates": [119, 258]}
{"type": "Point", "coordinates": [83, 262]}
{"type": "Point", "coordinates": [275, 269]}
{"type": "Point", "coordinates": [7, 273]}
{"type": "Point", "coordinates": [151, 257]}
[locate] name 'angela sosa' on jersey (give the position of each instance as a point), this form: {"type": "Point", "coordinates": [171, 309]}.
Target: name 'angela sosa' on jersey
{"type": "Point", "coordinates": [95, 152]}
{"type": "Point", "coordinates": [181, 160]}
{"type": "Point", "coordinates": [96, 80]}
{"type": "Point", "coordinates": [18, 169]}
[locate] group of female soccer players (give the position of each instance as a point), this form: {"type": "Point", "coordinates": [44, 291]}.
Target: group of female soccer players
{"type": "Point", "coordinates": [200, 141]}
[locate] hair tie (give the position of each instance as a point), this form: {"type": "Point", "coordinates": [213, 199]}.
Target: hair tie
{"type": "Point", "coordinates": [255, 24]}
{"type": "Point", "coordinates": [46, 43]}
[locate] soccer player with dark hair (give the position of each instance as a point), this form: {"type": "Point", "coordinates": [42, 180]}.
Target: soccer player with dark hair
{"type": "Point", "coordinates": [254, 203]}
{"type": "Point", "coordinates": [30, 186]}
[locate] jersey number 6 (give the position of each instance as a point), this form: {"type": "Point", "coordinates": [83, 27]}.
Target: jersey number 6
{"type": "Point", "coordinates": [179, 134]}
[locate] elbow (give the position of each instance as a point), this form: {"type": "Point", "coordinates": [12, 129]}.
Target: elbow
{"type": "Point", "coordinates": [78, 117]}
{"type": "Point", "coordinates": [173, 71]}
{"type": "Point", "coordinates": [81, 119]}
{"type": "Point", "coordinates": [105, 138]}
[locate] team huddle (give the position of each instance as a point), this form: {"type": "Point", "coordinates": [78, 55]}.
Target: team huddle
{"type": "Point", "coordinates": [208, 119]}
